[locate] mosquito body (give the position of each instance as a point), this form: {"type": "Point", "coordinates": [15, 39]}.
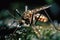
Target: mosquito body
{"type": "Point", "coordinates": [29, 18]}
{"type": "Point", "coordinates": [29, 14]}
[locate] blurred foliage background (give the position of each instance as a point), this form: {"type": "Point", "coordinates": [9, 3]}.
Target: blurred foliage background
{"type": "Point", "coordinates": [48, 32]}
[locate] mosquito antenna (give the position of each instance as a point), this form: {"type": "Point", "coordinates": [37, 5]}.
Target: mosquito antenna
{"type": "Point", "coordinates": [12, 16]}
{"type": "Point", "coordinates": [18, 12]}
{"type": "Point", "coordinates": [26, 8]}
